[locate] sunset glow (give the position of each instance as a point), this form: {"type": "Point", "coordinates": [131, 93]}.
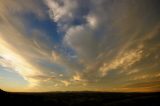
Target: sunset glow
{"type": "Point", "coordinates": [80, 45]}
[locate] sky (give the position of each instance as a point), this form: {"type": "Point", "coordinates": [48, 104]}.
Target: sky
{"type": "Point", "coordinates": [80, 45]}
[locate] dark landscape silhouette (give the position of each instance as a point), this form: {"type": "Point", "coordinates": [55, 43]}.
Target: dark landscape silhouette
{"type": "Point", "coordinates": [80, 99]}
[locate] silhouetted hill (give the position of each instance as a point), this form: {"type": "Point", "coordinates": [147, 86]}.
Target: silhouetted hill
{"type": "Point", "coordinates": [2, 92]}
{"type": "Point", "coordinates": [81, 99]}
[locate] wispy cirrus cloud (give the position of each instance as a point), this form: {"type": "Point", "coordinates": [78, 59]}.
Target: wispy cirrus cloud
{"type": "Point", "coordinates": [17, 50]}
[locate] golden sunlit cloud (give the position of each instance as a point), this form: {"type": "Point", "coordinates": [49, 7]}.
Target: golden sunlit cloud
{"type": "Point", "coordinates": [17, 63]}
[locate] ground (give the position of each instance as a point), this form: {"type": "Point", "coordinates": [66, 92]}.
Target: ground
{"type": "Point", "coordinates": [80, 99]}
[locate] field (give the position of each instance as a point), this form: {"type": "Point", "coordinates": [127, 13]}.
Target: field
{"type": "Point", "coordinates": [80, 99]}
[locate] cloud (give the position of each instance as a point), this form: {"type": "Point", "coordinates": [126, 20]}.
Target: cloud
{"type": "Point", "coordinates": [11, 59]}
{"type": "Point", "coordinates": [98, 44]}
{"type": "Point", "coordinates": [42, 77]}
{"type": "Point", "coordinates": [66, 83]}
{"type": "Point", "coordinates": [111, 37]}
{"type": "Point", "coordinates": [21, 6]}
{"type": "Point", "coordinates": [92, 21]}
{"type": "Point", "coordinates": [77, 77]}
{"type": "Point", "coordinates": [61, 10]}
{"type": "Point", "coordinates": [133, 71]}
{"type": "Point", "coordinates": [151, 86]}
{"type": "Point", "coordinates": [129, 57]}
{"type": "Point", "coordinates": [55, 56]}
{"type": "Point", "coordinates": [18, 52]}
{"type": "Point", "coordinates": [153, 76]}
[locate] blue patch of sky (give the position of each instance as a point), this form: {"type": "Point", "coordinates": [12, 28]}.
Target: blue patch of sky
{"type": "Point", "coordinates": [45, 25]}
